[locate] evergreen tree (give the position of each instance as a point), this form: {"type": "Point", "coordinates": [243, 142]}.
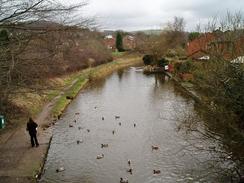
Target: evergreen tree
{"type": "Point", "coordinates": [119, 42]}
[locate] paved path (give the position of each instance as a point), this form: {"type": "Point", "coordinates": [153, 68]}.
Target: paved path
{"type": "Point", "coordinates": [19, 162]}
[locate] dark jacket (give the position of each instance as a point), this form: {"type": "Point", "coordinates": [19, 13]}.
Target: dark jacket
{"type": "Point", "coordinates": [31, 127]}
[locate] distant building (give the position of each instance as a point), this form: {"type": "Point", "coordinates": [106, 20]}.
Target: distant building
{"type": "Point", "coordinates": [218, 44]}
{"type": "Point", "coordinates": [198, 48]}
{"type": "Point", "coordinates": [129, 42]}
{"type": "Point", "coordinates": [110, 42]}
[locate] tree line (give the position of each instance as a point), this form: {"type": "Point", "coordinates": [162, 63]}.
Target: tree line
{"type": "Point", "coordinates": [40, 39]}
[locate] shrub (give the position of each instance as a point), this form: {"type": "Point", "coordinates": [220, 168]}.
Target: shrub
{"type": "Point", "coordinates": [4, 37]}
{"type": "Point", "coordinates": [148, 59]}
{"type": "Point", "coordinates": [184, 67]}
{"type": "Point", "coordinates": [162, 62]}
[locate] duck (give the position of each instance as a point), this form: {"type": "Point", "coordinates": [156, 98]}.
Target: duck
{"type": "Point", "coordinates": [69, 98]}
{"type": "Point", "coordinates": [102, 118]}
{"type": "Point", "coordinates": [119, 123]}
{"type": "Point", "coordinates": [70, 125]}
{"type": "Point", "coordinates": [155, 147]}
{"type": "Point", "coordinates": [113, 132]}
{"type": "Point", "coordinates": [130, 170]}
{"type": "Point", "coordinates": [117, 117]}
{"type": "Point", "coordinates": [100, 156]}
{"type": "Point", "coordinates": [104, 145]}
{"type": "Point", "coordinates": [59, 116]}
{"type": "Point", "coordinates": [123, 181]}
{"type": "Point", "coordinates": [79, 141]}
{"type": "Point", "coordinates": [134, 125]}
{"type": "Point", "coordinates": [60, 169]}
{"type": "Point", "coordinates": [129, 162]}
{"type": "Point", "coordinates": [156, 171]}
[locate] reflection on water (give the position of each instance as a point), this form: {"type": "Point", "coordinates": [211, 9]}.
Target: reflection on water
{"type": "Point", "coordinates": [153, 104]}
{"type": "Point", "coordinates": [120, 74]}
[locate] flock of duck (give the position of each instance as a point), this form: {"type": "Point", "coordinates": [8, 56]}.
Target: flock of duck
{"type": "Point", "coordinates": [101, 156]}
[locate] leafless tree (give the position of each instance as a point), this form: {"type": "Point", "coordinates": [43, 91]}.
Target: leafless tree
{"type": "Point", "coordinates": [27, 28]}
{"type": "Point", "coordinates": [172, 38]}
{"type": "Point", "coordinates": [220, 82]}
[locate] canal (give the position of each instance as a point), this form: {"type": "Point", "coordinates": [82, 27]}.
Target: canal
{"type": "Point", "coordinates": [130, 112]}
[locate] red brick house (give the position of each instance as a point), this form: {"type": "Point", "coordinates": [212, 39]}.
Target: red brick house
{"type": "Point", "coordinates": [129, 42]}
{"type": "Point", "coordinates": [218, 44]}
{"type": "Point", "coordinates": [110, 42]}
{"type": "Point", "coordinates": [198, 48]}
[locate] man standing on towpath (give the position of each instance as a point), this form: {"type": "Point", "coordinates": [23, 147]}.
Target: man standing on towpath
{"type": "Point", "coordinates": [31, 127]}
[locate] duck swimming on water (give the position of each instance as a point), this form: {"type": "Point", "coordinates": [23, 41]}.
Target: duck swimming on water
{"type": "Point", "coordinates": [104, 145]}
{"type": "Point", "coordinates": [100, 156]}
{"type": "Point", "coordinates": [60, 169]}
{"type": "Point", "coordinates": [123, 181]}
{"type": "Point", "coordinates": [155, 147]}
{"type": "Point", "coordinates": [129, 162]}
{"type": "Point", "coordinates": [79, 141]}
{"type": "Point", "coordinates": [156, 171]}
{"type": "Point", "coordinates": [130, 171]}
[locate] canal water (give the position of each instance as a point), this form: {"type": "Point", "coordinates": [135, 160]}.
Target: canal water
{"type": "Point", "coordinates": [156, 107]}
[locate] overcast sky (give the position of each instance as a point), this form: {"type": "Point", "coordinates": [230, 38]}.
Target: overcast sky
{"type": "Point", "coordinates": [152, 14]}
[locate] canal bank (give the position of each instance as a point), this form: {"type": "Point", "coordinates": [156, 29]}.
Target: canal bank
{"type": "Point", "coordinates": [187, 90]}
{"type": "Point", "coordinates": [19, 162]}
{"type": "Point", "coordinates": [230, 152]}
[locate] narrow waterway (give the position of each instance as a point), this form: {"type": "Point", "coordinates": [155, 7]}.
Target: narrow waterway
{"type": "Point", "coordinates": [154, 105]}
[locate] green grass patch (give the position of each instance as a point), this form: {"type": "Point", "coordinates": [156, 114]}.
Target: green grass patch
{"type": "Point", "coordinates": [62, 102]}
{"type": "Point", "coordinates": [52, 94]}
{"type": "Point", "coordinates": [60, 106]}
{"type": "Point", "coordinates": [187, 84]}
{"type": "Point", "coordinates": [117, 54]}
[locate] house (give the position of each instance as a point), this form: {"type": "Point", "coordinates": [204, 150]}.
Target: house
{"type": "Point", "coordinates": [227, 45]}
{"type": "Point", "coordinates": [198, 48]}
{"type": "Point", "coordinates": [129, 42]}
{"type": "Point", "coordinates": [110, 42]}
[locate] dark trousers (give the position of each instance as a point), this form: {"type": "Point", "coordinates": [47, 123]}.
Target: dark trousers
{"type": "Point", "coordinates": [34, 140]}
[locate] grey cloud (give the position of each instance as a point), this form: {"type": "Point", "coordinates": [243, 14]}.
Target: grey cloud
{"type": "Point", "coordinates": [141, 14]}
